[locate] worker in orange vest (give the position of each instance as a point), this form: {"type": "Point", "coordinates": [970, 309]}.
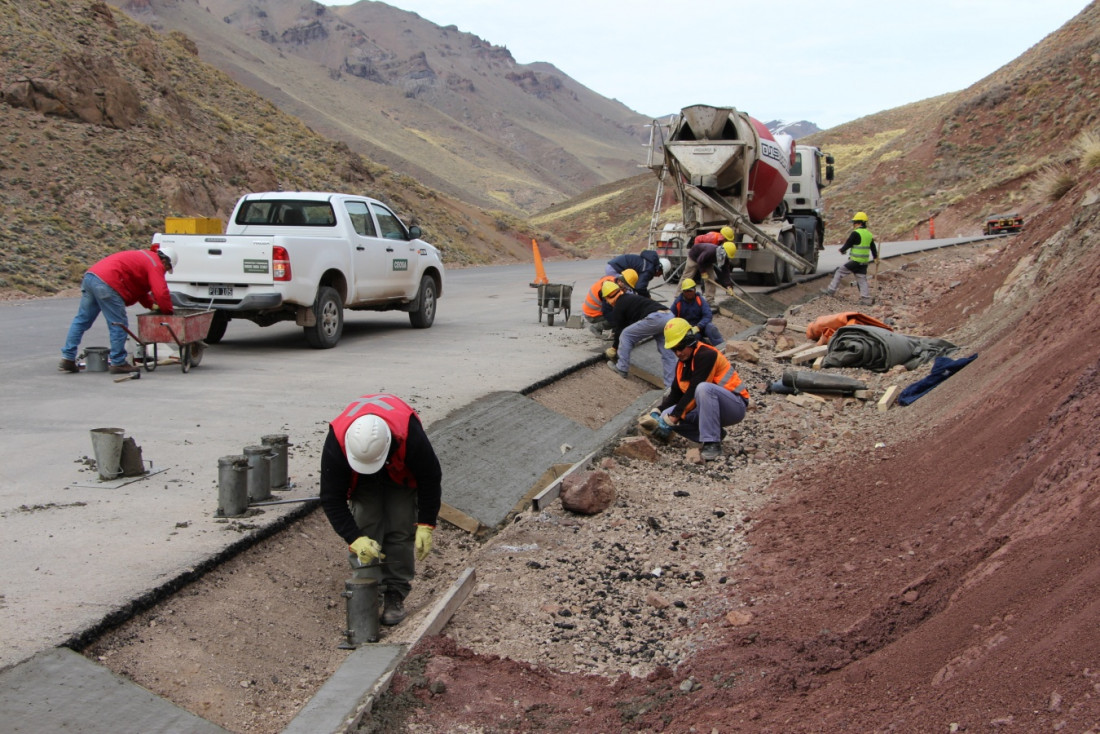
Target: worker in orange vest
{"type": "Point", "coordinates": [595, 309]}
{"type": "Point", "coordinates": [706, 395]}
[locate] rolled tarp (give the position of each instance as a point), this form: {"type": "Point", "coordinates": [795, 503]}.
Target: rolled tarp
{"type": "Point", "coordinates": [877, 349]}
{"type": "Point", "coordinates": [805, 381]}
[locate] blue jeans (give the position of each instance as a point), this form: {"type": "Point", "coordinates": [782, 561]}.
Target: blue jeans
{"type": "Point", "coordinates": [715, 406]}
{"type": "Point", "coordinates": [653, 326]}
{"type": "Point", "coordinates": [95, 297]}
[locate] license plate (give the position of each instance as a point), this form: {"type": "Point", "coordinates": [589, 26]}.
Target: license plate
{"type": "Point", "coordinates": [220, 291]}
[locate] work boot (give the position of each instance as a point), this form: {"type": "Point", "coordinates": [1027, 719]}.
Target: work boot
{"type": "Point", "coordinates": [68, 365]}
{"type": "Point", "coordinates": [122, 369]}
{"type": "Point", "coordinates": [615, 368]}
{"type": "Point", "coordinates": [829, 291]}
{"type": "Point", "coordinates": [866, 301]}
{"type": "Point", "coordinates": [711, 451]}
{"type": "Point", "coordinates": [393, 608]}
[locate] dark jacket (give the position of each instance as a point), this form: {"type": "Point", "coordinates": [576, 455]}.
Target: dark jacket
{"type": "Point", "coordinates": [696, 313]}
{"type": "Point", "coordinates": [646, 264]}
{"type": "Point", "coordinates": [705, 255]}
{"type": "Point", "coordinates": [630, 308]}
{"type": "Point", "coordinates": [337, 475]}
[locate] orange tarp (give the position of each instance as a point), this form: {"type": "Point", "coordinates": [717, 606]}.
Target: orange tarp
{"type": "Point", "coordinates": [823, 327]}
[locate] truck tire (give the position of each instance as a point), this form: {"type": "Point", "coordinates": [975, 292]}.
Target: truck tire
{"type": "Point", "coordinates": [424, 315]}
{"type": "Point", "coordinates": [329, 322]}
{"type": "Point", "coordinates": [218, 325]}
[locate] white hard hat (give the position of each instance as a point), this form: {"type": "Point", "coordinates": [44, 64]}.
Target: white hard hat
{"type": "Point", "coordinates": [666, 265]}
{"type": "Point", "coordinates": [170, 253]}
{"type": "Point", "coordinates": [367, 444]}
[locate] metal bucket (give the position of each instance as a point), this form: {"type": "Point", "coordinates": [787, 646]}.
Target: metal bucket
{"type": "Point", "coordinates": [107, 445]}
{"type": "Point", "coordinates": [259, 475]}
{"type": "Point", "coordinates": [278, 442]}
{"type": "Point", "coordinates": [232, 485]}
{"type": "Point", "coordinates": [95, 358]}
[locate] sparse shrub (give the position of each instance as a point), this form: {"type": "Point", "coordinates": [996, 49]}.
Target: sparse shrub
{"type": "Point", "coordinates": [1055, 181]}
{"type": "Point", "coordinates": [1087, 147]}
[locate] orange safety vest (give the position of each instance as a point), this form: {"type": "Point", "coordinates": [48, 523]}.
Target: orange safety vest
{"type": "Point", "coordinates": [722, 374]}
{"type": "Point", "coordinates": [396, 413]}
{"type": "Point", "coordinates": [591, 307]}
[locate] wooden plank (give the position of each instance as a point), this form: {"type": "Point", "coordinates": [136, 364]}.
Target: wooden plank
{"type": "Point", "coordinates": [543, 499]}
{"type": "Point", "coordinates": [862, 394]}
{"type": "Point", "coordinates": [810, 355]}
{"type": "Point", "coordinates": [818, 363]}
{"type": "Point", "coordinates": [795, 350]}
{"type": "Point", "coordinates": [888, 398]}
{"type": "Point", "coordinates": [459, 519]}
{"type": "Point", "coordinates": [447, 605]}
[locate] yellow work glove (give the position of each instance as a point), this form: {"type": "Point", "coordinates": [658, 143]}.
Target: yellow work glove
{"type": "Point", "coordinates": [368, 550]}
{"type": "Point", "coordinates": [611, 353]}
{"type": "Point", "coordinates": [695, 330]}
{"type": "Point", "coordinates": [729, 291]}
{"type": "Point", "coordinates": [423, 542]}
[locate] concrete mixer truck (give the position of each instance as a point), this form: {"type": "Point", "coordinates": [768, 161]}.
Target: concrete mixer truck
{"type": "Point", "coordinates": [728, 169]}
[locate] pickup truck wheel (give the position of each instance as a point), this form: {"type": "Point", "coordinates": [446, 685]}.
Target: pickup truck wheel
{"type": "Point", "coordinates": [217, 328]}
{"type": "Point", "coordinates": [424, 315]}
{"type": "Point", "coordinates": [329, 313]}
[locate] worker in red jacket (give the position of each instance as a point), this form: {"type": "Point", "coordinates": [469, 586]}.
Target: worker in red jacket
{"type": "Point", "coordinates": [710, 261]}
{"type": "Point", "coordinates": [109, 286]}
{"type": "Point", "coordinates": [381, 492]}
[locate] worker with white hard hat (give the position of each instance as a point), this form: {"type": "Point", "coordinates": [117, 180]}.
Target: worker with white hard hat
{"type": "Point", "coordinates": [381, 491]}
{"type": "Point", "coordinates": [109, 286]}
{"type": "Point", "coordinates": [710, 261]}
{"type": "Point", "coordinates": [648, 264]}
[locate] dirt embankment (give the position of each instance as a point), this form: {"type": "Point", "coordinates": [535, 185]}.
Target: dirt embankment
{"type": "Point", "coordinates": [936, 568]}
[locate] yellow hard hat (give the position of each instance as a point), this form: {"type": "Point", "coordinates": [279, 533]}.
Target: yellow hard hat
{"type": "Point", "coordinates": [687, 284]}
{"type": "Point", "coordinates": [676, 330]}
{"type": "Point", "coordinates": [630, 275]}
{"type": "Point", "coordinates": [609, 288]}
{"type": "Point", "coordinates": [727, 232]}
{"type": "Point", "coordinates": [730, 248]}
{"type": "Point", "coordinates": [860, 217]}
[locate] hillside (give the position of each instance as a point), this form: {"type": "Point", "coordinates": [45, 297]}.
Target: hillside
{"type": "Point", "coordinates": [444, 106]}
{"type": "Point", "coordinates": [110, 127]}
{"type": "Point", "coordinates": [955, 159]}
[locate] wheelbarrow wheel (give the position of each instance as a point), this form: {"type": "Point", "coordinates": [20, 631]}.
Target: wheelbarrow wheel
{"type": "Point", "coordinates": [551, 305]}
{"type": "Point", "coordinates": [197, 350]}
{"type": "Point", "coordinates": [185, 357]}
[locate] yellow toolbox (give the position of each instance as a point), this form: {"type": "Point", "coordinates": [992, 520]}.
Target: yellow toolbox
{"type": "Point", "coordinates": [192, 225]}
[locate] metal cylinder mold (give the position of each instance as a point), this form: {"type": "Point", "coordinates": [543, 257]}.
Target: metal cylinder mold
{"type": "Point", "coordinates": [107, 445]}
{"type": "Point", "coordinates": [95, 358]}
{"type": "Point", "coordinates": [362, 596]}
{"type": "Point", "coordinates": [259, 473]}
{"type": "Point", "coordinates": [232, 485]}
{"type": "Point", "coordinates": [279, 443]}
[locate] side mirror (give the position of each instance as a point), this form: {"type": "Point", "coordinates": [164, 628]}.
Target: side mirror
{"type": "Point", "coordinates": [414, 232]}
{"type": "Point", "coordinates": [830, 174]}
{"type": "Point", "coordinates": [829, 160]}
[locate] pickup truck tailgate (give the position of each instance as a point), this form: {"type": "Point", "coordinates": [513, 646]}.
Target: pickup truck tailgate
{"type": "Point", "coordinates": [242, 260]}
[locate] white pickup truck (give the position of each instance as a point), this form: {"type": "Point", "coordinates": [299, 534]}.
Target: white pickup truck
{"type": "Point", "coordinates": [306, 256]}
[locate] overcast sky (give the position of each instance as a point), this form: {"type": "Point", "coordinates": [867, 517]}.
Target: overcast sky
{"type": "Point", "coordinates": [828, 62]}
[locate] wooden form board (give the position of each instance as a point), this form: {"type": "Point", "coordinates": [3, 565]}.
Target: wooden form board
{"type": "Point", "coordinates": [888, 398]}
{"type": "Point", "coordinates": [809, 355]}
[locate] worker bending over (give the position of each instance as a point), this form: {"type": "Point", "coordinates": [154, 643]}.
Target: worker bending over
{"type": "Point", "coordinates": [706, 395]}
{"type": "Point", "coordinates": [380, 489]}
{"type": "Point", "coordinates": [633, 319]}
{"type": "Point", "coordinates": [647, 264]}
{"type": "Point", "coordinates": [863, 250]}
{"type": "Point", "coordinates": [595, 309]}
{"type": "Point", "coordinates": [710, 260]}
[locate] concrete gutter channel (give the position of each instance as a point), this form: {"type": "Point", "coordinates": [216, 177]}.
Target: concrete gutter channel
{"type": "Point", "coordinates": [506, 447]}
{"type": "Point", "coordinates": [61, 690]}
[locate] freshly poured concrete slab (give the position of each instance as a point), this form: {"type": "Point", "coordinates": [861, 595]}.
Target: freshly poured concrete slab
{"type": "Point", "coordinates": [61, 691]}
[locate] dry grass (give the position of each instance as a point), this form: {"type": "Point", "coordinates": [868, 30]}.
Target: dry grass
{"type": "Point", "coordinates": [1055, 181]}
{"type": "Point", "coordinates": [1087, 146]}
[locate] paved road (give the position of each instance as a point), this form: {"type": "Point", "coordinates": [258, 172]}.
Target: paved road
{"type": "Point", "coordinates": [74, 550]}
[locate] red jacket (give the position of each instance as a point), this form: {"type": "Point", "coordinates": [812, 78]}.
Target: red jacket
{"type": "Point", "coordinates": [137, 276]}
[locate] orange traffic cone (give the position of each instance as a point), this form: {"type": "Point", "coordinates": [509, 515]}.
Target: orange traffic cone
{"type": "Point", "coordinates": [540, 274]}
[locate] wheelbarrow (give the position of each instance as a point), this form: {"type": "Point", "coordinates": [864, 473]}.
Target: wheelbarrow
{"type": "Point", "coordinates": [554, 299]}
{"type": "Point", "coordinates": [186, 328]}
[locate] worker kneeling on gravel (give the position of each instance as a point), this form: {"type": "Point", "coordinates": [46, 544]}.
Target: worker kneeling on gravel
{"type": "Point", "coordinates": [381, 491]}
{"type": "Point", "coordinates": [694, 309]}
{"type": "Point", "coordinates": [596, 310]}
{"type": "Point", "coordinates": [633, 319]}
{"type": "Point", "coordinates": [707, 394]}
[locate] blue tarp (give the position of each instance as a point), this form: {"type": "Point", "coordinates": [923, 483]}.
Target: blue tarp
{"type": "Point", "coordinates": [942, 368]}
